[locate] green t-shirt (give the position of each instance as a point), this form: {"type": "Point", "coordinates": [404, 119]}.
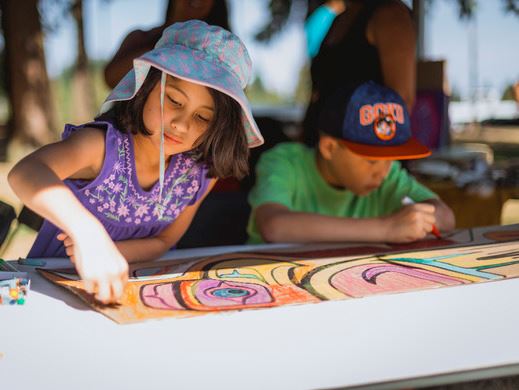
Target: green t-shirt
{"type": "Point", "coordinates": [288, 175]}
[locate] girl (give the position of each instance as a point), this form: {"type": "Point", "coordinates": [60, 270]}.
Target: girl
{"type": "Point", "coordinates": [126, 186]}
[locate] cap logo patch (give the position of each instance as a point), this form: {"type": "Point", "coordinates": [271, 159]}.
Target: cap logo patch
{"type": "Point", "coordinates": [384, 127]}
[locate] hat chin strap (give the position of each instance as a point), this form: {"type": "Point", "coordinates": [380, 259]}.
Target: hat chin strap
{"type": "Point", "coordinates": [162, 161]}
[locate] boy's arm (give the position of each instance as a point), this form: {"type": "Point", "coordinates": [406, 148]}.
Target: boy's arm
{"type": "Point", "coordinates": [277, 223]}
{"type": "Point", "coordinates": [445, 219]}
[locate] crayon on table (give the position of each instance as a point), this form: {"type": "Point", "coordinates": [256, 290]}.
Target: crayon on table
{"type": "Point", "coordinates": [7, 266]}
{"type": "Point", "coordinates": [14, 291]}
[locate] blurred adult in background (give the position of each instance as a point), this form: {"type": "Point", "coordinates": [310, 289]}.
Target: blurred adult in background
{"type": "Point", "coordinates": [355, 41]}
{"type": "Point", "coordinates": [138, 42]}
{"type": "Point", "coordinates": [319, 22]}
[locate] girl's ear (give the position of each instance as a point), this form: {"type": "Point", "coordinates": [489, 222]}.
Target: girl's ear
{"type": "Point", "coordinates": [327, 146]}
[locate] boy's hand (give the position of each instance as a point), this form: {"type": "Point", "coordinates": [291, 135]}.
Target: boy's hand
{"type": "Point", "coordinates": [410, 223]}
{"type": "Point", "coordinates": [102, 268]}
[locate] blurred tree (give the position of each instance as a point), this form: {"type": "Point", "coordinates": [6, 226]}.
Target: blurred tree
{"type": "Point", "coordinates": [27, 83]}
{"type": "Point", "coordinates": [302, 93]}
{"type": "Point", "coordinates": [82, 83]}
{"type": "Point", "coordinates": [2, 73]}
{"type": "Point", "coordinates": [280, 11]}
{"type": "Point", "coordinates": [508, 93]}
{"type": "Point", "coordinates": [82, 90]}
{"type": "Point", "coordinates": [258, 94]}
{"type": "Point", "coordinates": [468, 7]}
{"type": "Point", "coordinates": [455, 95]}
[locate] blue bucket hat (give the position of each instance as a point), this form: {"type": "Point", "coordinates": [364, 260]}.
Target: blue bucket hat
{"type": "Point", "coordinates": [200, 53]}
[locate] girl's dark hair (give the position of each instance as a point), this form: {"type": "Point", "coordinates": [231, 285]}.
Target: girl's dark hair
{"type": "Point", "coordinates": [222, 148]}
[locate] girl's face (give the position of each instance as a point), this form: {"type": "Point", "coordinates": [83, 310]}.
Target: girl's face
{"type": "Point", "coordinates": [189, 110]}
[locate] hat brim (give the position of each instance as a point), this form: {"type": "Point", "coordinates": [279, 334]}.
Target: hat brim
{"type": "Point", "coordinates": [412, 149]}
{"type": "Point", "coordinates": [190, 65]}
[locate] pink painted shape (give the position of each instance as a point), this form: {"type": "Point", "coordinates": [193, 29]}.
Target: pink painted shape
{"type": "Point", "coordinates": [160, 296]}
{"type": "Point", "coordinates": [369, 279]}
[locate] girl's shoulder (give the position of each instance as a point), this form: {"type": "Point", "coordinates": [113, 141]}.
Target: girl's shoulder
{"type": "Point", "coordinates": [100, 140]}
{"type": "Point", "coordinates": [95, 134]}
{"type": "Point", "coordinates": [88, 134]}
{"type": "Point", "coordinates": [95, 130]}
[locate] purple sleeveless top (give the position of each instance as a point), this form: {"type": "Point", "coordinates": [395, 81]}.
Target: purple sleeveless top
{"type": "Point", "coordinates": [116, 198]}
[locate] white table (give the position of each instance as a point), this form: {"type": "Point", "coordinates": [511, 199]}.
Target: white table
{"type": "Point", "coordinates": [388, 341]}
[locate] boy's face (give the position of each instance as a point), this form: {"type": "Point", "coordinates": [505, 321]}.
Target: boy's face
{"type": "Point", "coordinates": [343, 168]}
{"type": "Point", "coordinates": [188, 113]}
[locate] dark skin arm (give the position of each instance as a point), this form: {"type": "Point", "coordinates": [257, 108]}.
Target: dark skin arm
{"type": "Point", "coordinates": [134, 45]}
{"type": "Point", "coordinates": [392, 32]}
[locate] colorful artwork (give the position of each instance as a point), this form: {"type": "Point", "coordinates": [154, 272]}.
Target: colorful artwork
{"type": "Point", "coordinates": [308, 274]}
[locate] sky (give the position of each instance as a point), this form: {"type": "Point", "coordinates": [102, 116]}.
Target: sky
{"type": "Point", "coordinates": [279, 62]}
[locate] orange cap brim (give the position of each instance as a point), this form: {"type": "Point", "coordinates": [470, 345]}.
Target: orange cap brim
{"type": "Point", "coordinates": [412, 149]}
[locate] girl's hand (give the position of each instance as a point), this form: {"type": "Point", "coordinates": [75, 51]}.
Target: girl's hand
{"type": "Point", "coordinates": [410, 223]}
{"type": "Point", "coordinates": [100, 265]}
{"type": "Point", "coordinates": [69, 246]}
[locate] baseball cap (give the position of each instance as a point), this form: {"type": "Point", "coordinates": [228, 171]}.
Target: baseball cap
{"type": "Point", "coordinates": [372, 121]}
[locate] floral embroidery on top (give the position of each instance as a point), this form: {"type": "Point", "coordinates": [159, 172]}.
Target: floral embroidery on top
{"type": "Point", "coordinates": [118, 198]}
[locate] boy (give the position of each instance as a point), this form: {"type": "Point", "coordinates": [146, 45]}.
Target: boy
{"type": "Point", "coordinates": [349, 188]}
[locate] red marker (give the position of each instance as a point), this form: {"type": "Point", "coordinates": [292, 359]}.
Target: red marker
{"type": "Point", "coordinates": [435, 231]}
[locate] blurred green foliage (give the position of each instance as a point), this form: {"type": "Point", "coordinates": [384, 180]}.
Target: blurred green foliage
{"type": "Point", "coordinates": [61, 88]}
{"type": "Point", "coordinates": [508, 93]}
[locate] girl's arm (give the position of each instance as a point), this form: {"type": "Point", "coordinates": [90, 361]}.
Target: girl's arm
{"type": "Point", "coordinates": [277, 223]}
{"type": "Point", "coordinates": [152, 248]}
{"type": "Point", "coordinates": [38, 181]}
{"type": "Point", "coordinates": [392, 32]}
